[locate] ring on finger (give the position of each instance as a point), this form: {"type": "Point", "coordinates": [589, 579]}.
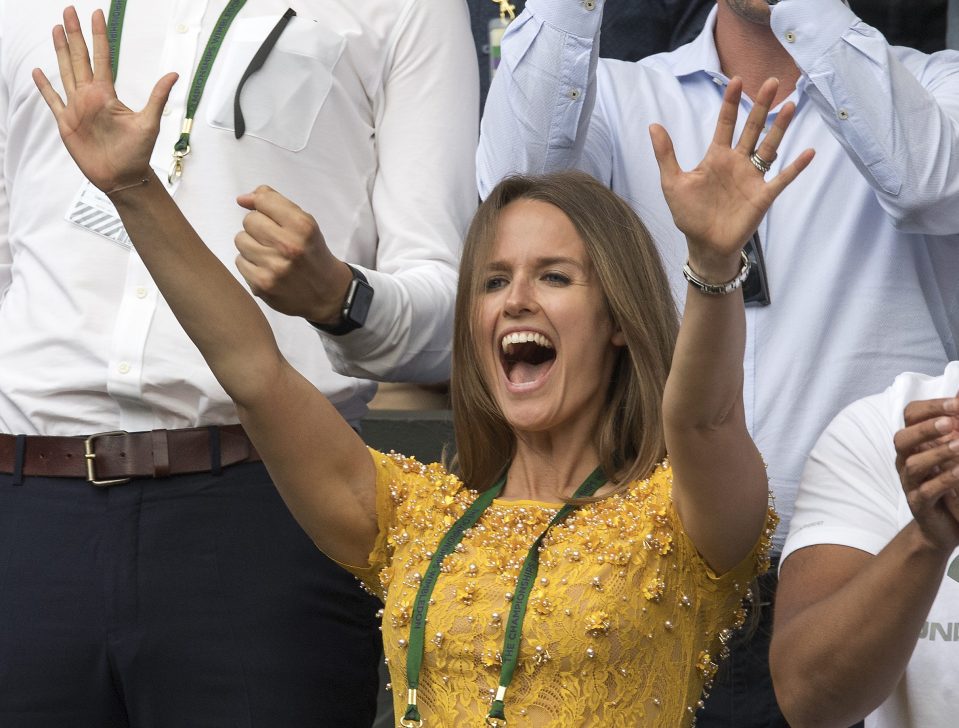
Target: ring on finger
{"type": "Point", "coordinates": [759, 163]}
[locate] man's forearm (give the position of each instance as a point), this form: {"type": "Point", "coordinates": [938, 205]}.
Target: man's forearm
{"type": "Point", "coordinates": [541, 99]}
{"type": "Point", "coordinates": [836, 659]}
{"type": "Point", "coordinates": [893, 110]}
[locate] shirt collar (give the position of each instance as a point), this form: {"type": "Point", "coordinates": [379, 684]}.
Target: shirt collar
{"type": "Point", "coordinates": [700, 56]}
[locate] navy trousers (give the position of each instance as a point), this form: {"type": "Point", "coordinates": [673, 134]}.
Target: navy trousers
{"type": "Point", "coordinates": [186, 601]}
{"type": "Point", "coordinates": [742, 695]}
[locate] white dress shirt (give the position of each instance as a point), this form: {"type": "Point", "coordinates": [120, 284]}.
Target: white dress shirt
{"type": "Point", "coordinates": [364, 114]}
{"type": "Point", "coordinates": [861, 249]}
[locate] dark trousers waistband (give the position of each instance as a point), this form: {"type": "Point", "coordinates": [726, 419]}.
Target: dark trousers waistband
{"type": "Point", "coordinates": [109, 458]}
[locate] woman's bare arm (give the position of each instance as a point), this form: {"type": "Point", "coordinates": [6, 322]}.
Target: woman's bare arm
{"type": "Point", "coordinates": [720, 485]}
{"type": "Point", "coordinates": [319, 464]}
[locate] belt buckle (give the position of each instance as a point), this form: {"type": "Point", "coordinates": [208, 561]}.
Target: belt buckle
{"type": "Point", "coordinates": [89, 455]}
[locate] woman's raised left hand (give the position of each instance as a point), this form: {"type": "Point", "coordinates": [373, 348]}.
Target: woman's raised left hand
{"type": "Point", "coordinates": [719, 204]}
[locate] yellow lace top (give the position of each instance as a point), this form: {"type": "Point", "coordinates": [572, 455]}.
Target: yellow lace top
{"type": "Point", "coordinates": [624, 628]}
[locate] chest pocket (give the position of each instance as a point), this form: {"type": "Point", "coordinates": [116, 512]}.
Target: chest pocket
{"type": "Point", "coordinates": [281, 101]}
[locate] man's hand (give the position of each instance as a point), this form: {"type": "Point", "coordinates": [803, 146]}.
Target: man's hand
{"type": "Point", "coordinates": [927, 458]}
{"type": "Point", "coordinates": [286, 261]}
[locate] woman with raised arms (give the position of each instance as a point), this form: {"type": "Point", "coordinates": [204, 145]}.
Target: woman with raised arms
{"type": "Point", "coordinates": [570, 573]}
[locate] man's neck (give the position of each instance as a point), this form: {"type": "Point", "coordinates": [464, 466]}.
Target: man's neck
{"type": "Point", "coordinates": [751, 51]}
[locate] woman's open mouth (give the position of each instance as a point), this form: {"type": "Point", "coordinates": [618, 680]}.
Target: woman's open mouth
{"type": "Point", "coordinates": [526, 356]}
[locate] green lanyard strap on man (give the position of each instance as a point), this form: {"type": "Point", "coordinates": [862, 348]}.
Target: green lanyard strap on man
{"type": "Point", "coordinates": [115, 32]}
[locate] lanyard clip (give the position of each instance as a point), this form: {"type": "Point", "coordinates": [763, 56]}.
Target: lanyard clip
{"type": "Point", "coordinates": [496, 718]}
{"type": "Point", "coordinates": [411, 719]}
{"type": "Point", "coordinates": [176, 168]}
{"type": "Point", "coordinates": [180, 150]}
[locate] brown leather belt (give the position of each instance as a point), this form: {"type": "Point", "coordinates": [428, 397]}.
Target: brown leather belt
{"type": "Point", "coordinates": [109, 458]}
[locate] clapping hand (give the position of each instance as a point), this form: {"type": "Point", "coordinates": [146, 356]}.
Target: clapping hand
{"type": "Point", "coordinates": [927, 458]}
{"type": "Point", "coordinates": [109, 142]}
{"type": "Point", "coordinates": [719, 204]}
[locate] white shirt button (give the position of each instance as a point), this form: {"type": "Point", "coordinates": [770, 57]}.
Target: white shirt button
{"type": "Point", "coordinates": [182, 27]}
{"type": "Point", "coordinates": [589, 4]}
{"type": "Point", "coordinates": [141, 292]}
{"type": "Point", "coordinates": [843, 114]}
{"type": "Point", "coordinates": [790, 36]}
{"type": "Point", "coordinates": [574, 93]}
{"type": "Point", "coordinates": [124, 367]}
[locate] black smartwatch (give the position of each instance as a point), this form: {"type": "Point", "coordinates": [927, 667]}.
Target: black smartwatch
{"type": "Point", "coordinates": [356, 306]}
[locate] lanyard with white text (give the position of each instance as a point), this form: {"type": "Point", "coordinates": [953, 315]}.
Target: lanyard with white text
{"type": "Point", "coordinates": [514, 624]}
{"type": "Point", "coordinates": [114, 33]}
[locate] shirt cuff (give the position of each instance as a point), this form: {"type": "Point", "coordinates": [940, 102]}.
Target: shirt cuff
{"type": "Point", "coordinates": [807, 29]}
{"type": "Point", "coordinates": [577, 17]}
{"type": "Point", "coordinates": [357, 345]}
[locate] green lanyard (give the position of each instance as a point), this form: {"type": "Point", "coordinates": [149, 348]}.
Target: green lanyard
{"type": "Point", "coordinates": [514, 625]}
{"type": "Point", "coordinates": [118, 8]}
{"type": "Point", "coordinates": [115, 32]}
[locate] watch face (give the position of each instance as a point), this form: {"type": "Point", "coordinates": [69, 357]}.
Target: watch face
{"type": "Point", "coordinates": [358, 303]}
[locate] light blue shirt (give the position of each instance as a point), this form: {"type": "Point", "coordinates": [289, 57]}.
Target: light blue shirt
{"type": "Point", "coordinates": [862, 250]}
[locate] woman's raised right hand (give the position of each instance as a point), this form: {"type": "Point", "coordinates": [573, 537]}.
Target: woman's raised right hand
{"type": "Point", "coordinates": [719, 204]}
{"type": "Point", "coordinates": [111, 143]}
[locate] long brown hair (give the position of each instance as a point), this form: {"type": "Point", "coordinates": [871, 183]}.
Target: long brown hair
{"type": "Point", "coordinates": [630, 434]}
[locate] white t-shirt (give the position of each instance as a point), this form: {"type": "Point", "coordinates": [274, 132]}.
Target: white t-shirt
{"type": "Point", "coordinates": [850, 495]}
